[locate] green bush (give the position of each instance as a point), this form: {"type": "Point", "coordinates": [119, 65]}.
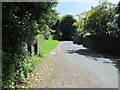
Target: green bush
{"type": "Point", "coordinates": [22, 22]}
{"type": "Point", "coordinates": [48, 45]}
{"type": "Point", "coordinates": [16, 67]}
{"type": "Point", "coordinates": [66, 27]}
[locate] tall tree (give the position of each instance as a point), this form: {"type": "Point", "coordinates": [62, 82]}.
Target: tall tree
{"type": "Point", "coordinates": [22, 21]}
{"type": "Point", "coordinates": [66, 27]}
{"type": "Point", "coordinates": [100, 20]}
{"type": "Point", "coordinates": [118, 13]}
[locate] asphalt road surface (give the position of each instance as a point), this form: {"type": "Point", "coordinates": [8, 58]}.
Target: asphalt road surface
{"type": "Point", "coordinates": [87, 67]}
{"type": "Point", "coordinates": [73, 66]}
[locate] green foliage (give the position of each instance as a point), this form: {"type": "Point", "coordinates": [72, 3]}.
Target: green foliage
{"type": "Point", "coordinates": [16, 67]}
{"type": "Point", "coordinates": [118, 14]}
{"type": "Point", "coordinates": [22, 22]}
{"type": "Point", "coordinates": [56, 33]}
{"type": "Point", "coordinates": [38, 59]}
{"type": "Point", "coordinates": [47, 46]}
{"type": "Point", "coordinates": [66, 27]}
{"type": "Point", "coordinates": [100, 20]}
{"type": "Point", "coordinates": [40, 38]}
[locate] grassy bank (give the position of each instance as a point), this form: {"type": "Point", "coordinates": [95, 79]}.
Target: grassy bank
{"type": "Point", "coordinates": [45, 47]}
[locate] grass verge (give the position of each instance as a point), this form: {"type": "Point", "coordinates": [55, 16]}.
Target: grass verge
{"type": "Point", "coordinates": [47, 46]}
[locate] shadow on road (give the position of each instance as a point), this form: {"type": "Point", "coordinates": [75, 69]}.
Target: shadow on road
{"type": "Point", "coordinates": [94, 55]}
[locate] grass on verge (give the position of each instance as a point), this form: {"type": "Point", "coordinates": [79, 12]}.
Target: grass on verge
{"type": "Point", "coordinates": [47, 46]}
{"type": "Point", "coordinates": [38, 59]}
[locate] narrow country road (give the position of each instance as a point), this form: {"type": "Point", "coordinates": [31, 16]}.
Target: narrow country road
{"type": "Point", "coordinates": [73, 66]}
{"type": "Point", "coordinates": [101, 69]}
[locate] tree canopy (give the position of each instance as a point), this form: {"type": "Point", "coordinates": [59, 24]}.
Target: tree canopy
{"type": "Point", "coordinates": [66, 27]}
{"type": "Point", "coordinates": [100, 20]}
{"type": "Point", "coordinates": [21, 23]}
{"type": "Point", "coordinates": [118, 14]}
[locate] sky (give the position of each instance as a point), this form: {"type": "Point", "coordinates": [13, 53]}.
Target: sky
{"type": "Point", "coordinates": [75, 7]}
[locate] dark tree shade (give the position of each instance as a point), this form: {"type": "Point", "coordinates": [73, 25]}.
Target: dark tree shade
{"type": "Point", "coordinates": [118, 12]}
{"type": "Point", "coordinates": [21, 22]}
{"type": "Point", "coordinates": [66, 27]}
